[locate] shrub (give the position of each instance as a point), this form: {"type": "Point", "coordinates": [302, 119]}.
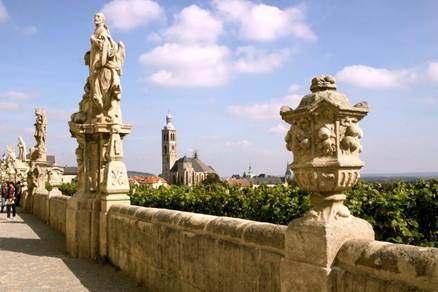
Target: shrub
{"type": "Point", "coordinates": [68, 189]}
{"type": "Point", "coordinates": [400, 212]}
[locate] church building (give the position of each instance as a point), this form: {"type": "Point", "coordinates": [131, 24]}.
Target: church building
{"type": "Point", "coordinates": [186, 170]}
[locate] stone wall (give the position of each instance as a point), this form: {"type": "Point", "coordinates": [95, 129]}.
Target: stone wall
{"type": "Point", "coordinates": [51, 209]}
{"type": "Point", "coordinates": [168, 250]}
{"type": "Point", "coordinates": [41, 207]}
{"type": "Point", "coordinates": [57, 212]}
{"type": "Point", "coordinates": [382, 266]}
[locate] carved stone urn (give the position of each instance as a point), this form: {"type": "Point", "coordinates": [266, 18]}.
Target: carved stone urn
{"type": "Point", "coordinates": [325, 141]}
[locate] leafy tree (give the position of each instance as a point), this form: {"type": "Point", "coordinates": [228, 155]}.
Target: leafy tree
{"type": "Point", "coordinates": [400, 212]}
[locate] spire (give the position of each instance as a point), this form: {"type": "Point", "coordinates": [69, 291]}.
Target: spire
{"type": "Point", "coordinates": [249, 173]}
{"type": "Point", "coordinates": [169, 125]}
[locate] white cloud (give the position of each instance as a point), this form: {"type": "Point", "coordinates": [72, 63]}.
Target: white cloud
{"type": "Point", "coordinates": [252, 60]}
{"type": "Point", "coordinates": [129, 14]}
{"type": "Point", "coordinates": [261, 22]}
{"type": "Point", "coordinates": [376, 78]}
{"type": "Point", "coordinates": [17, 95]}
{"type": "Point", "coordinates": [154, 38]}
{"type": "Point", "coordinates": [194, 24]}
{"type": "Point", "coordinates": [188, 65]}
{"type": "Point", "coordinates": [9, 106]}
{"type": "Point", "coordinates": [279, 129]}
{"type": "Point", "coordinates": [4, 16]}
{"type": "Point", "coordinates": [238, 144]}
{"type": "Point", "coordinates": [192, 57]}
{"type": "Point", "coordinates": [264, 111]}
{"type": "Point", "coordinates": [432, 71]}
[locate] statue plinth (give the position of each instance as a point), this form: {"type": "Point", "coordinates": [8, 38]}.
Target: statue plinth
{"type": "Point", "coordinates": [102, 182]}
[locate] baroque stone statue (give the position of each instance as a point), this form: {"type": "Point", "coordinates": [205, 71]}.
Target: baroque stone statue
{"type": "Point", "coordinates": [102, 91]}
{"type": "Point", "coordinates": [39, 152]}
{"type": "Point", "coordinates": [99, 132]}
{"type": "Point", "coordinates": [325, 140]}
{"type": "Point", "coordinates": [22, 152]}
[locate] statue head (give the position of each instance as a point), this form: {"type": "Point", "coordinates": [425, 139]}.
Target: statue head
{"type": "Point", "coordinates": [40, 116]}
{"type": "Point", "coordinates": [99, 18]}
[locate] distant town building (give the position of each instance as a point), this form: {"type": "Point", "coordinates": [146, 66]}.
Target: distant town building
{"type": "Point", "coordinates": [69, 175]}
{"type": "Point", "coordinates": [268, 180]}
{"type": "Point", "coordinates": [238, 182]}
{"type": "Point", "coordinates": [168, 148]}
{"type": "Point", "coordinates": [153, 181]}
{"type": "Point", "coordinates": [288, 175]}
{"type": "Point", "coordinates": [190, 171]}
{"type": "Point", "coordinates": [71, 172]}
{"type": "Point", "coordinates": [248, 173]}
{"type": "Point", "coordinates": [249, 179]}
{"type": "Point", "coordinates": [186, 170]}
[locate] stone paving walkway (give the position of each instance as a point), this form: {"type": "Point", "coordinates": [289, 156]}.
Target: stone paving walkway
{"type": "Point", "coordinates": [33, 258]}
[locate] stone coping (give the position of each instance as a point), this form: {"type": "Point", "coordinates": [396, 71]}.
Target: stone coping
{"type": "Point", "coordinates": [264, 235]}
{"type": "Point", "coordinates": [410, 264]}
{"type": "Point", "coordinates": [60, 197]}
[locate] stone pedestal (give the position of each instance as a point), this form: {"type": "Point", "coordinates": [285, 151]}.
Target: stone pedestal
{"type": "Point", "coordinates": [39, 196]}
{"type": "Point", "coordinates": [102, 182]}
{"type": "Point", "coordinates": [311, 247]}
{"type": "Point", "coordinates": [325, 140]}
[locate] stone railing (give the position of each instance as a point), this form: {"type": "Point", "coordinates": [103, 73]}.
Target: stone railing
{"type": "Point", "coordinates": [57, 212]}
{"type": "Point", "coordinates": [168, 250]}
{"type": "Point", "coordinates": [381, 266]}
{"type": "Point", "coordinates": [51, 209]}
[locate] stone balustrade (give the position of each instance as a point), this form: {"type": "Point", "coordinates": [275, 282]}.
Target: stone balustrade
{"type": "Point", "coordinates": [168, 250]}
{"type": "Point", "coordinates": [381, 266]}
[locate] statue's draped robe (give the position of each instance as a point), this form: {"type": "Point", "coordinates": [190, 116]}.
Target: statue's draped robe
{"type": "Point", "coordinates": [105, 69]}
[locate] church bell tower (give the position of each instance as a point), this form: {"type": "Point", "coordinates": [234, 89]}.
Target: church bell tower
{"type": "Point", "coordinates": [168, 148]}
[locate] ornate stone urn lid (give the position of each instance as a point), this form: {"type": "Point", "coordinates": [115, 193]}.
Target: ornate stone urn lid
{"type": "Point", "coordinates": [325, 141]}
{"type": "Point", "coordinates": [323, 89]}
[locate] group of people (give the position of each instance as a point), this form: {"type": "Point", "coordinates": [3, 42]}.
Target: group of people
{"type": "Point", "coordinates": [10, 197]}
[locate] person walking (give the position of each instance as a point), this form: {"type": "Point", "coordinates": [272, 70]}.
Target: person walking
{"type": "Point", "coordinates": [3, 195]}
{"type": "Point", "coordinates": [18, 191]}
{"type": "Point", "coordinates": [10, 201]}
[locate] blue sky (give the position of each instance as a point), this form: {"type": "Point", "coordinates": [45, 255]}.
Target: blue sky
{"type": "Point", "coordinates": [223, 69]}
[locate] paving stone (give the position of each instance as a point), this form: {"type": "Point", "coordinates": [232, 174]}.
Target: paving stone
{"type": "Point", "coordinates": [33, 258]}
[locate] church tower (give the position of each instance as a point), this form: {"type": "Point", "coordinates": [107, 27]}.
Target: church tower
{"type": "Point", "coordinates": [168, 147]}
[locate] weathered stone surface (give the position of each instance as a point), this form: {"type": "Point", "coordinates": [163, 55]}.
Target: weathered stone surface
{"type": "Point", "coordinates": [325, 140]}
{"type": "Point", "coordinates": [266, 234]}
{"type": "Point", "coordinates": [318, 243]}
{"type": "Point", "coordinates": [410, 266]}
{"type": "Point", "coordinates": [170, 250]}
{"type": "Point", "coordinates": [225, 226]}
{"type": "Point", "coordinates": [39, 152]}
{"type": "Point", "coordinates": [57, 212]}
{"type": "Point", "coordinates": [99, 131]}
